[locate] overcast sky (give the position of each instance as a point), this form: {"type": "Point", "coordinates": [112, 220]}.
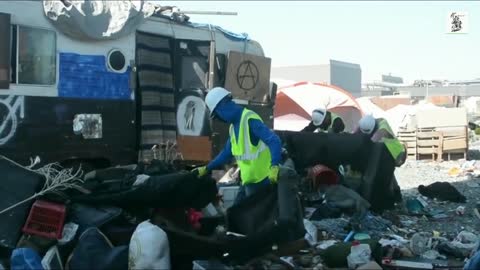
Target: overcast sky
{"type": "Point", "coordinates": [407, 39]}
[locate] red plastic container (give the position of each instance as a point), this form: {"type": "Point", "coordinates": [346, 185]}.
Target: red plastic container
{"type": "Point", "coordinates": [46, 219]}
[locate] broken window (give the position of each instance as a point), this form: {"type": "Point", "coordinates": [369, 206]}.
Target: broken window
{"type": "Point", "coordinates": [33, 56]}
{"type": "Point", "coordinates": [193, 59]}
{"type": "Point", "coordinates": [5, 50]}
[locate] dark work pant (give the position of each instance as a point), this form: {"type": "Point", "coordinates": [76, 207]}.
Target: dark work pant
{"type": "Point", "coordinates": [249, 189]}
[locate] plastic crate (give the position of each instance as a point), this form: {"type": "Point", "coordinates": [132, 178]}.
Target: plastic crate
{"type": "Point", "coordinates": [45, 219]}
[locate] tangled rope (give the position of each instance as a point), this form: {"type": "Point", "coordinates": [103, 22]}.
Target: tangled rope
{"type": "Point", "coordinates": [167, 152]}
{"type": "Point", "coordinates": [56, 179]}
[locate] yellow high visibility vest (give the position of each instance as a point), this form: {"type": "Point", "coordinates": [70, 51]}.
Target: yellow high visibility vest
{"type": "Point", "coordinates": [394, 146]}
{"type": "Point", "coordinates": [254, 161]}
{"type": "Point", "coordinates": [334, 116]}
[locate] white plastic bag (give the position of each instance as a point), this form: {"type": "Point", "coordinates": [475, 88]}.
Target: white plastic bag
{"type": "Point", "coordinates": [360, 254]}
{"type": "Point", "coordinates": [149, 248]}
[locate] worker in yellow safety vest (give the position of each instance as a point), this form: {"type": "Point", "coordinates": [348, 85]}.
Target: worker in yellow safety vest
{"type": "Point", "coordinates": [380, 131]}
{"type": "Point", "coordinates": [325, 121]}
{"type": "Point", "coordinates": [255, 147]}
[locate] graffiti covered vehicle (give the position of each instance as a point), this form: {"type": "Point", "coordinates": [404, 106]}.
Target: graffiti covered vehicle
{"type": "Point", "coordinates": [99, 90]}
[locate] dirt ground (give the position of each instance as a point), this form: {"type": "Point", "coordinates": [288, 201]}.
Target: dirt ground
{"type": "Point", "coordinates": [415, 173]}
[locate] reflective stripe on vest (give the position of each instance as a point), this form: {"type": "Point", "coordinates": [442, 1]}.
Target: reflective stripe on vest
{"type": "Point", "coordinates": [254, 161]}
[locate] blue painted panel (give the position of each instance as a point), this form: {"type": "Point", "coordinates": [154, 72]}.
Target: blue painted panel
{"type": "Point", "coordinates": [86, 76]}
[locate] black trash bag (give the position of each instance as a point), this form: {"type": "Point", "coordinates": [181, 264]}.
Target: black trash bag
{"type": "Point", "coordinates": [270, 216]}
{"type": "Point", "coordinates": [442, 191]}
{"type": "Point", "coordinates": [87, 216]}
{"type": "Point", "coordinates": [176, 190]}
{"type": "Point", "coordinates": [158, 167]}
{"type": "Point", "coordinates": [112, 173]}
{"type": "Point", "coordinates": [94, 251]}
{"type": "Point", "coordinates": [16, 184]}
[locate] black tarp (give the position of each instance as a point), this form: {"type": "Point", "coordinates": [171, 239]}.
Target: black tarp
{"type": "Point", "coordinates": [175, 190]}
{"type": "Point", "coordinates": [16, 184]}
{"type": "Point", "coordinates": [270, 216]}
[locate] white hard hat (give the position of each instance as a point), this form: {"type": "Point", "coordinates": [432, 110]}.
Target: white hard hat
{"type": "Point", "coordinates": [367, 124]}
{"type": "Point", "coordinates": [318, 115]}
{"type": "Point", "coordinates": [214, 97]}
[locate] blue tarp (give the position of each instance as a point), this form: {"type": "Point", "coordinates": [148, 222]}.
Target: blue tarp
{"type": "Point", "coordinates": [86, 76]}
{"type": "Point", "coordinates": [228, 34]}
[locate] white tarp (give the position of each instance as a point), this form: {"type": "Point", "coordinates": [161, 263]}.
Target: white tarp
{"type": "Point", "coordinates": [97, 20]}
{"type": "Point", "coordinates": [398, 117]}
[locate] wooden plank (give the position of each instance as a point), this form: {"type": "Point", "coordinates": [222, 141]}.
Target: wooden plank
{"type": "Point", "coordinates": [440, 149]}
{"type": "Point", "coordinates": [455, 144]}
{"type": "Point", "coordinates": [423, 143]}
{"type": "Point", "coordinates": [411, 144]}
{"type": "Point", "coordinates": [195, 148]}
{"type": "Point", "coordinates": [454, 133]}
{"type": "Point", "coordinates": [455, 138]}
{"type": "Point", "coordinates": [408, 141]}
{"type": "Point", "coordinates": [407, 134]}
{"type": "Point", "coordinates": [428, 134]}
{"type": "Point", "coordinates": [424, 151]}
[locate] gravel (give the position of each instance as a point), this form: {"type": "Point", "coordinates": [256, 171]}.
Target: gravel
{"type": "Point", "coordinates": [415, 173]}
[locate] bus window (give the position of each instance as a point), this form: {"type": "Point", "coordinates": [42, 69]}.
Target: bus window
{"type": "Point", "coordinates": [34, 56]}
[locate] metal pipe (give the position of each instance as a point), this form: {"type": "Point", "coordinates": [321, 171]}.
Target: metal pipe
{"type": "Point", "coordinates": [208, 12]}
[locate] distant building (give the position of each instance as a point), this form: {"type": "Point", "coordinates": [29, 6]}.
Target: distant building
{"type": "Point", "coordinates": [345, 75]}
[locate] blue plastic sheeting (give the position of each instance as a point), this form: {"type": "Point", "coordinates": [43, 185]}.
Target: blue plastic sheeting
{"type": "Point", "coordinates": [86, 76]}
{"type": "Point", "coordinates": [228, 34]}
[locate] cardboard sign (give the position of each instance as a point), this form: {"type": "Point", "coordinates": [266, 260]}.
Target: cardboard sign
{"type": "Point", "coordinates": [248, 76]}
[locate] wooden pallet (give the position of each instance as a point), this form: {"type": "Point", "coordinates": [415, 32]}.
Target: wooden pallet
{"type": "Point", "coordinates": [455, 142]}
{"type": "Point", "coordinates": [429, 143]}
{"type": "Point", "coordinates": [442, 143]}
{"type": "Point", "coordinates": [409, 138]}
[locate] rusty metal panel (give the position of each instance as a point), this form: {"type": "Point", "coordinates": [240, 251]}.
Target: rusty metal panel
{"type": "Point", "coordinates": [195, 148]}
{"type": "Point", "coordinates": [248, 76]}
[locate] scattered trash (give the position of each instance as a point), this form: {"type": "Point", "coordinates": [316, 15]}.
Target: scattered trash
{"type": "Point", "coordinates": [406, 264]}
{"type": "Point", "coordinates": [69, 232]}
{"type": "Point", "coordinates": [465, 242]}
{"type": "Point", "coordinates": [288, 260]}
{"type": "Point", "coordinates": [360, 254]}
{"type": "Point", "coordinates": [326, 244]}
{"type": "Point", "coordinates": [306, 260]}
{"type": "Point", "coordinates": [149, 248]}
{"type": "Point", "coordinates": [141, 179]}
{"type": "Point", "coordinates": [440, 216]}
{"type": "Point", "coordinates": [460, 210]}
{"type": "Point", "coordinates": [454, 172]}
{"type": "Point", "coordinates": [414, 207]}
{"type": "Point", "coordinates": [432, 255]}
{"type": "Point", "coordinates": [312, 232]}
{"type": "Point", "coordinates": [349, 236]}
{"type": "Point", "coordinates": [46, 219]}
{"type": "Point", "coordinates": [420, 243]}
{"type": "Point", "coordinates": [361, 236]}
{"type": "Point", "coordinates": [370, 266]}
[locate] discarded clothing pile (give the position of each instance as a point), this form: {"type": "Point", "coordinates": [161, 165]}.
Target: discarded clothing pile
{"type": "Point", "coordinates": [145, 216]}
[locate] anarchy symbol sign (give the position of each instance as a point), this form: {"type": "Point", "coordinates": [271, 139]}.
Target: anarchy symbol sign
{"type": "Point", "coordinates": [247, 75]}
